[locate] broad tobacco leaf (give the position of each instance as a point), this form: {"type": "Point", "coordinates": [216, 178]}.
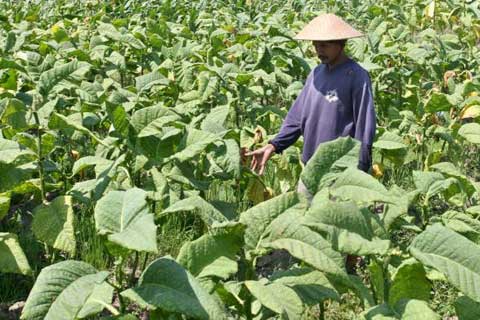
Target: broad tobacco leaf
{"type": "Point", "coordinates": [124, 217]}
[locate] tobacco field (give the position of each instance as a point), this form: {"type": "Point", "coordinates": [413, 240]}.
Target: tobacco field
{"type": "Point", "coordinates": [125, 192]}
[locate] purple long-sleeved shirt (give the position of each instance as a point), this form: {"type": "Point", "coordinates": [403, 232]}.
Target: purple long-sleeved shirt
{"type": "Point", "coordinates": [333, 103]}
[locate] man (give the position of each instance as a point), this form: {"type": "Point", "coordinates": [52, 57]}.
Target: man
{"type": "Point", "coordinates": [336, 100]}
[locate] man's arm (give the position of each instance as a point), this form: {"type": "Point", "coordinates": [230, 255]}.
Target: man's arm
{"type": "Point", "coordinates": [365, 119]}
{"type": "Point", "coordinates": [291, 128]}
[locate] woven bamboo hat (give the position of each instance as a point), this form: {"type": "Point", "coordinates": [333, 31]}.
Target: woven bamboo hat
{"type": "Point", "coordinates": [327, 27]}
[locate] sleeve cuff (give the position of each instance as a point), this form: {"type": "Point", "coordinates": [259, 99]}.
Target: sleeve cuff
{"type": "Point", "coordinates": [277, 147]}
{"type": "Point", "coordinates": [365, 167]}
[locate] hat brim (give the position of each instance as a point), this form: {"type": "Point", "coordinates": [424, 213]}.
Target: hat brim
{"type": "Point", "coordinates": [323, 38]}
{"type": "Point", "coordinates": [328, 27]}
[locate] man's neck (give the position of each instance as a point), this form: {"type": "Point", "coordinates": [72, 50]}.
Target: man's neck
{"type": "Point", "coordinates": [338, 60]}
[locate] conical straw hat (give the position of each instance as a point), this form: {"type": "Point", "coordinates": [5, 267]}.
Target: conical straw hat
{"type": "Point", "coordinates": [327, 27]}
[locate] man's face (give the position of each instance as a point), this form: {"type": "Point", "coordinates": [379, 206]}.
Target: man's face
{"type": "Point", "coordinates": [327, 51]}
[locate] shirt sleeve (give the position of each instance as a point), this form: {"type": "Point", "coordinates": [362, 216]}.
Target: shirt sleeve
{"type": "Point", "coordinates": [365, 120]}
{"type": "Point", "coordinates": [291, 127]}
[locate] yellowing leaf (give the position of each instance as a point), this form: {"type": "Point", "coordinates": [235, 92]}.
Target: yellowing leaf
{"type": "Point", "coordinates": [377, 170]}
{"type": "Point", "coordinates": [430, 10]}
{"type": "Point", "coordinates": [472, 111]}
{"type": "Point", "coordinates": [59, 33]}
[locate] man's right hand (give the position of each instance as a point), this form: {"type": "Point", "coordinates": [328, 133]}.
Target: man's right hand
{"type": "Point", "coordinates": [260, 158]}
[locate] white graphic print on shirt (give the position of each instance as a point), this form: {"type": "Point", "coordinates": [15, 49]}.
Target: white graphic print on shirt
{"type": "Point", "coordinates": [332, 96]}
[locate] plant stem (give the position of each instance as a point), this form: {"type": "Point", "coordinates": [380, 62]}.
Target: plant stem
{"type": "Point", "coordinates": [247, 272]}
{"type": "Point", "coordinates": [386, 282]}
{"type": "Point", "coordinates": [52, 260]}
{"type": "Point", "coordinates": [109, 307]}
{"type": "Point", "coordinates": [134, 269]}
{"type": "Point", "coordinates": [121, 302]}
{"type": "Point", "coordinates": [47, 251]}
{"type": "Point", "coordinates": [145, 260]}
{"type": "Point", "coordinates": [119, 279]}
{"type": "Point", "coordinates": [39, 151]}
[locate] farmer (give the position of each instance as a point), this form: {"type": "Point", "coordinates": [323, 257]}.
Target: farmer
{"type": "Point", "coordinates": [336, 100]}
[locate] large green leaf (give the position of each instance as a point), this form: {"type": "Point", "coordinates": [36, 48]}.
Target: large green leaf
{"type": "Point", "coordinates": [225, 159]}
{"type": "Point", "coordinates": [463, 224]}
{"type": "Point", "coordinates": [161, 146]}
{"type": "Point", "coordinates": [159, 184]}
{"type": "Point", "coordinates": [10, 64]}
{"type": "Point", "coordinates": [424, 179]}
{"type": "Point", "coordinates": [207, 212]}
{"type": "Point", "coordinates": [167, 285]}
{"type": "Point", "coordinates": [311, 285]}
{"type": "Point", "coordinates": [143, 117]}
{"type": "Point", "coordinates": [158, 126]}
{"type": "Point", "coordinates": [289, 231]}
{"type": "Point", "coordinates": [124, 217]}
{"type": "Point", "coordinates": [8, 79]}
{"type": "Point", "coordinates": [404, 310]}
{"type": "Point", "coordinates": [12, 258]}
{"type": "Point", "coordinates": [93, 189]}
{"type": "Point", "coordinates": [185, 173]}
{"type": "Point", "coordinates": [13, 112]}
{"type": "Point", "coordinates": [389, 141]}
{"type": "Point", "coordinates": [145, 82]}
{"type": "Point", "coordinates": [347, 227]}
{"type": "Point", "coordinates": [11, 176]}
{"type": "Point", "coordinates": [409, 282]}
{"type": "Point", "coordinates": [314, 256]}
{"type": "Point", "coordinates": [53, 224]}
{"type": "Point", "coordinates": [100, 297]}
{"type": "Point", "coordinates": [467, 309]}
{"type": "Point", "coordinates": [11, 151]}
{"type": "Point", "coordinates": [31, 57]}
{"type": "Point", "coordinates": [207, 86]}
{"type": "Point", "coordinates": [4, 204]}
{"type": "Point", "coordinates": [378, 279]}
{"type": "Point", "coordinates": [49, 79]}
{"type": "Point", "coordinates": [415, 310]}
{"type": "Point", "coordinates": [475, 210]}
{"type": "Point", "coordinates": [359, 186]}
{"type": "Point", "coordinates": [223, 241]}
{"type": "Point", "coordinates": [61, 291]}
{"type": "Point", "coordinates": [260, 216]}
{"type": "Point", "coordinates": [449, 187]}
{"type": "Point", "coordinates": [292, 225]}
{"type": "Point", "coordinates": [109, 31]}
{"type": "Point", "coordinates": [471, 132]}
{"type": "Point", "coordinates": [194, 143]}
{"type": "Point", "coordinates": [214, 122]}
{"type": "Point", "coordinates": [132, 41]}
{"type": "Point", "coordinates": [325, 159]}
{"type": "Point", "coordinates": [453, 255]}
{"type": "Point", "coordinates": [118, 117]}
{"type": "Point", "coordinates": [220, 268]}
{"type": "Point", "coordinates": [59, 121]}
{"type": "Point", "coordinates": [361, 290]}
{"type": "Point", "coordinates": [399, 208]}
{"type": "Point", "coordinates": [100, 164]}
{"type": "Point", "coordinates": [277, 297]}
{"type": "Point", "coordinates": [437, 102]}
{"type": "Point", "coordinates": [379, 312]}
{"type": "Point", "coordinates": [449, 169]}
